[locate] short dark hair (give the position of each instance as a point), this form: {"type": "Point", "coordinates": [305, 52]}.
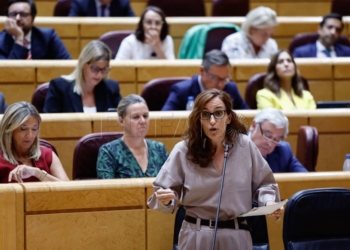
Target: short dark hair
{"type": "Point", "coordinates": [140, 34]}
{"type": "Point", "coordinates": [30, 2]}
{"type": "Point", "coordinates": [215, 57]}
{"type": "Point", "coordinates": [332, 16]}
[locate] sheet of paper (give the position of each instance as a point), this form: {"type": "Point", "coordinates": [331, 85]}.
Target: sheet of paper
{"type": "Point", "coordinates": [264, 210]}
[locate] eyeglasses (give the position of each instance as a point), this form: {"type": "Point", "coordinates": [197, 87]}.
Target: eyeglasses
{"type": "Point", "coordinates": [268, 136]}
{"type": "Point", "coordinates": [218, 114]}
{"type": "Point", "coordinates": [14, 14]}
{"type": "Point", "coordinates": [217, 79]}
{"type": "Point", "coordinates": [156, 23]}
{"type": "Point", "coordinates": [95, 69]}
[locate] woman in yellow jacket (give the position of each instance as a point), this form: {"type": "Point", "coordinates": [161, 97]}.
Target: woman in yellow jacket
{"type": "Point", "coordinates": [283, 86]}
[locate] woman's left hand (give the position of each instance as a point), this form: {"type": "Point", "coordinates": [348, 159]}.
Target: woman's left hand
{"type": "Point", "coordinates": [277, 214]}
{"type": "Point", "coordinates": [22, 172]}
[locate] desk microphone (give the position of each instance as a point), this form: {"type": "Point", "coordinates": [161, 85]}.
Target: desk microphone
{"type": "Point", "coordinates": [220, 195]}
{"type": "Point", "coordinates": [153, 55]}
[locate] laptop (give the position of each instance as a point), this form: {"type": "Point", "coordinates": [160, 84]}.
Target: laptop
{"type": "Point", "coordinates": [333, 104]}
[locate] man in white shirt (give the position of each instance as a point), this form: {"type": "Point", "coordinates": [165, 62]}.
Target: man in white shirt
{"type": "Point", "coordinates": [327, 44]}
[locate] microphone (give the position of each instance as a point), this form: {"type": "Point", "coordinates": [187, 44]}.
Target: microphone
{"type": "Point", "coordinates": [220, 195]}
{"type": "Point", "coordinates": [153, 55]}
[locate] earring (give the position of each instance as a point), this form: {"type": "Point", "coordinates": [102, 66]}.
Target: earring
{"type": "Point", "coordinates": [204, 141]}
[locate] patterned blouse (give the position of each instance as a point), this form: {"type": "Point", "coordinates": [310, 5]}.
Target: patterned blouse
{"type": "Point", "coordinates": [115, 160]}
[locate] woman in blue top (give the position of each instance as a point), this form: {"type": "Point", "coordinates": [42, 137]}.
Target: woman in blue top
{"type": "Point", "coordinates": [132, 155]}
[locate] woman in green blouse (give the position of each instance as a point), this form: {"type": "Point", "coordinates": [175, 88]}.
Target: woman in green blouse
{"type": "Point", "coordinates": [132, 155]}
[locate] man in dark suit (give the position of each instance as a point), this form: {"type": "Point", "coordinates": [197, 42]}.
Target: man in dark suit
{"type": "Point", "coordinates": [3, 105]}
{"type": "Point", "coordinates": [22, 40]}
{"type": "Point", "coordinates": [101, 8]}
{"type": "Point", "coordinates": [326, 46]}
{"type": "Point", "coordinates": [214, 73]}
{"type": "Point", "coordinates": [269, 128]}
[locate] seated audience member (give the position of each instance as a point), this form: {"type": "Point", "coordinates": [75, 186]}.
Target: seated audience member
{"type": "Point", "coordinates": [87, 89]}
{"type": "Point", "coordinates": [151, 39]}
{"type": "Point", "coordinates": [3, 105]}
{"type": "Point", "coordinates": [329, 32]}
{"type": "Point", "coordinates": [101, 8]}
{"type": "Point", "coordinates": [214, 73]}
{"type": "Point", "coordinates": [254, 40]}
{"type": "Point", "coordinates": [132, 155]}
{"type": "Point", "coordinates": [22, 159]}
{"type": "Point", "coordinates": [22, 40]}
{"type": "Point", "coordinates": [283, 86]}
{"type": "Point", "coordinates": [269, 128]}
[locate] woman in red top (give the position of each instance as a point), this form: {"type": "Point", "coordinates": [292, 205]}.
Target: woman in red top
{"type": "Point", "coordinates": [22, 159]}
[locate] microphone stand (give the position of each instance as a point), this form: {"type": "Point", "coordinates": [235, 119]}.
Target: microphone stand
{"type": "Point", "coordinates": [220, 195]}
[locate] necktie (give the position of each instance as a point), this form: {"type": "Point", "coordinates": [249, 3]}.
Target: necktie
{"type": "Point", "coordinates": [327, 52]}
{"type": "Point", "coordinates": [26, 44]}
{"type": "Point", "coordinates": [103, 10]}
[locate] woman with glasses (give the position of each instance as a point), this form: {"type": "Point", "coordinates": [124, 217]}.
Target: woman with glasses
{"type": "Point", "coordinates": [22, 159]}
{"type": "Point", "coordinates": [132, 155]}
{"type": "Point", "coordinates": [254, 41]}
{"type": "Point", "coordinates": [150, 40]}
{"type": "Point", "coordinates": [193, 173]}
{"type": "Point", "coordinates": [284, 88]}
{"type": "Point", "coordinates": [87, 88]}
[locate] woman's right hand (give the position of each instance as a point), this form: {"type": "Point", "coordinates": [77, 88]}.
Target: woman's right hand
{"type": "Point", "coordinates": [22, 172]}
{"type": "Point", "coordinates": [153, 38]}
{"type": "Point", "coordinates": [165, 195]}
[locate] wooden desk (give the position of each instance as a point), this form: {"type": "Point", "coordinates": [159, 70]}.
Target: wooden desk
{"type": "Point", "coordinates": [111, 214]}
{"type": "Point", "coordinates": [328, 78]}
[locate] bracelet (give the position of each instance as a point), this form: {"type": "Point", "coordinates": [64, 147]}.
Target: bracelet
{"type": "Point", "coordinates": [42, 175]}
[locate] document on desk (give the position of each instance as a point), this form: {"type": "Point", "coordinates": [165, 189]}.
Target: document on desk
{"type": "Point", "coordinates": [265, 209]}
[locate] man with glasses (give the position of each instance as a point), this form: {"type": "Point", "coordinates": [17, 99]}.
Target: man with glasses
{"type": "Point", "coordinates": [21, 40]}
{"type": "Point", "coordinates": [214, 73]}
{"type": "Point", "coordinates": [101, 8]}
{"type": "Point", "coordinates": [268, 129]}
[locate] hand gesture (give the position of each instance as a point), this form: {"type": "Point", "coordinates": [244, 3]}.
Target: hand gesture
{"type": "Point", "coordinates": [13, 29]}
{"type": "Point", "coordinates": [165, 195]}
{"type": "Point", "coordinates": [22, 172]}
{"type": "Point", "coordinates": [152, 37]}
{"type": "Point", "coordinates": [277, 214]}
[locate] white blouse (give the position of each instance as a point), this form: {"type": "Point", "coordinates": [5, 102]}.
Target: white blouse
{"type": "Point", "coordinates": [131, 48]}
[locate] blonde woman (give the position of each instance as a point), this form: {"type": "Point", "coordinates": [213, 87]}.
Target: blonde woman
{"type": "Point", "coordinates": [22, 159]}
{"type": "Point", "coordinates": [254, 40]}
{"type": "Point", "coordinates": [87, 89]}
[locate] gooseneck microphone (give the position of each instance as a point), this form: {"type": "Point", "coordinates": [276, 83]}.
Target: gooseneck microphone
{"type": "Point", "coordinates": [220, 195]}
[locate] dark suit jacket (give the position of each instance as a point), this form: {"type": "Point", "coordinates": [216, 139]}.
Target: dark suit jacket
{"type": "Point", "coordinates": [282, 160]}
{"type": "Point", "coordinates": [179, 93]}
{"type": "Point", "coordinates": [310, 50]}
{"type": "Point", "coordinates": [88, 8]}
{"type": "Point", "coordinates": [45, 44]}
{"type": "Point", "coordinates": [3, 104]}
{"type": "Point", "coordinates": [61, 99]}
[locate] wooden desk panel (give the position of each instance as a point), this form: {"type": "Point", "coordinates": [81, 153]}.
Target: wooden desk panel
{"type": "Point", "coordinates": [12, 217]}
{"type": "Point", "coordinates": [147, 72]}
{"type": "Point", "coordinates": [303, 9]}
{"type": "Point", "coordinates": [15, 92]}
{"type": "Point", "coordinates": [124, 230]}
{"type": "Point", "coordinates": [101, 194]}
{"type": "Point", "coordinates": [342, 90]}
{"type": "Point", "coordinates": [10, 69]}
